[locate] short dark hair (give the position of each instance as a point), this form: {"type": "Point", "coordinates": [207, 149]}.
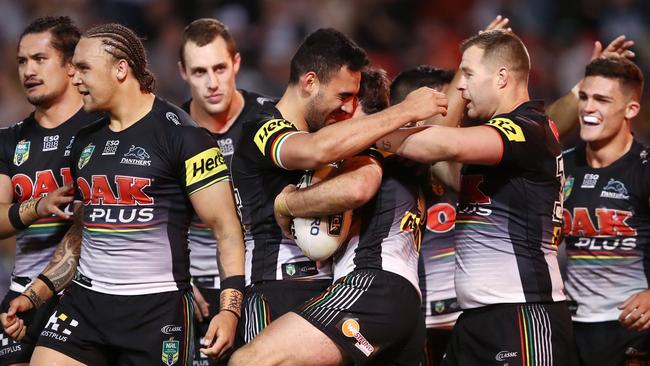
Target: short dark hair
{"type": "Point", "coordinates": [324, 52]}
{"type": "Point", "coordinates": [123, 44]}
{"type": "Point", "coordinates": [504, 46]}
{"type": "Point", "coordinates": [625, 71]}
{"type": "Point", "coordinates": [65, 35]}
{"type": "Point", "coordinates": [411, 79]}
{"type": "Point", "coordinates": [203, 31]}
{"type": "Point", "coordinates": [373, 92]}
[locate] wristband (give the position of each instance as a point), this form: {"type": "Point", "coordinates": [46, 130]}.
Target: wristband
{"type": "Point", "coordinates": [281, 205]}
{"type": "Point", "coordinates": [14, 217]}
{"type": "Point", "coordinates": [47, 281]}
{"type": "Point", "coordinates": [232, 294]}
{"type": "Point", "coordinates": [32, 296]}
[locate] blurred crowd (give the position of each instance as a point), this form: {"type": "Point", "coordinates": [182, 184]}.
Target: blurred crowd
{"type": "Point", "coordinates": [397, 34]}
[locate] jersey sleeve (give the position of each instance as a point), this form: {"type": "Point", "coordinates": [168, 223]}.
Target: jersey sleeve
{"type": "Point", "coordinates": [6, 158]}
{"type": "Point", "coordinates": [518, 141]}
{"type": "Point", "coordinates": [269, 135]}
{"type": "Point", "coordinates": [202, 163]}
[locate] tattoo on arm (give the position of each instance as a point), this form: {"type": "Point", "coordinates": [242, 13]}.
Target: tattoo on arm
{"type": "Point", "coordinates": [62, 267]}
{"type": "Point", "coordinates": [33, 297]}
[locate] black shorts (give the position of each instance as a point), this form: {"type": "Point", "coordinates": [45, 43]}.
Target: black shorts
{"type": "Point", "coordinates": [12, 352]}
{"type": "Point", "coordinates": [373, 315]}
{"type": "Point", "coordinates": [100, 329]}
{"type": "Point", "coordinates": [437, 341]}
{"type": "Point", "coordinates": [267, 301]}
{"type": "Point", "coordinates": [515, 334]}
{"type": "Point", "coordinates": [611, 344]}
{"type": "Point", "coordinates": [210, 295]}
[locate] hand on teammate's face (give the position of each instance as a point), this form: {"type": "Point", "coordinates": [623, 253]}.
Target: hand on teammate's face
{"type": "Point", "coordinates": [220, 335]}
{"type": "Point", "coordinates": [13, 326]}
{"type": "Point", "coordinates": [52, 203]}
{"type": "Point", "coordinates": [424, 103]}
{"type": "Point", "coordinates": [619, 47]}
{"type": "Point", "coordinates": [635, 312]}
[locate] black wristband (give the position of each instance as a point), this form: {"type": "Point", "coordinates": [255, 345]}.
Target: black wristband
{"type": "Point", "coordinates": [14, 217]}
{"type": "Point", "coordinates": [47, 281]}
{"type": "Point", "coordinates": [233, 282]}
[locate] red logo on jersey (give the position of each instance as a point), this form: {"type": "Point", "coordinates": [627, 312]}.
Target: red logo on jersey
{"type": "Point", "coordinates": [470, 191]}
{"type": "Point", "coordinates": [610, 223]}
{"type": "Point", "coordinates": [130, 191]}
{"type": "Point", "coordinates": [441, 218]}
{"type": "Point", "coordinates": [45, 182]}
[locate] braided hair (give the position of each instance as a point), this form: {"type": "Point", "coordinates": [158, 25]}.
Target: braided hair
{"type": "Point", "coordinates": [123, 44]}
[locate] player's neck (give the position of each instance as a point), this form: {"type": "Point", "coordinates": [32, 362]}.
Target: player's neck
{"type": "Point", "coordinates": [60, 110]}
{"type": "Point", "coordinates": [290, 106]}
{"type": "Point", "coordinates": [221, 122]}
{"type": "Point", "coordinates": [129, 108]}
{"type": "Point", "coordinates": [601, 154]}
{"type": "Point", "coordinates": [512, 99]}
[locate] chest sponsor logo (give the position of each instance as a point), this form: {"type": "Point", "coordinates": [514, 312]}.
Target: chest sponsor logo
{"type": "Point", "coordinates": [203, 165]}
{"type": "Point", "coordinates": [68, 148]}
{"type": "Point", "coordinates": [472, 198]}
{"type": "Point", "coordinates": [130, 192]}
{"type": "Point", "coordinates": [568, 187]}
{"type": "Point", "coordinates": [21, 154]}
{"type": "Point", "coordinates": [172, 117]}
{"type": "Point", "coordinates": [170, 351]}
{"type": "Point", "coordinates": [43, 183]}
{"type": "Point", "coordinates": [50, 143]}
{"type": "Point", "coordinates": [111, 147]}
{"type": "Point", "coordinates": [226, 146]}
{"type": "Point", "coordinates": [267, 130]}
{"type": "Point", "coordinates": [610, 223]}
{"type": "Point", "coordinates": [509, 128]}
{"type": "Point", "coordinates": [85, 156]}
{"type": "Point", "coordinates": [589, 180]}
{"type": "Point", "coordinates": [351, 329]}
{"type": "Point", "coordinates": [441, 218]}
{"type": "Point", "coordinates": [615, 189]}
{"type": "Point", "coordinates": [136, 156]}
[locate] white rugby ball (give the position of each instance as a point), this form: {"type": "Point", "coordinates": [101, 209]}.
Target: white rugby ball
{"type": "Point", "coordinates": [320, 237]}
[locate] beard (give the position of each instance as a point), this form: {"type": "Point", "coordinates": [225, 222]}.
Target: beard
{"type": "Point", "coordinates": [41, 100]}
{"type": "Point", "coordinates": [315, 114]}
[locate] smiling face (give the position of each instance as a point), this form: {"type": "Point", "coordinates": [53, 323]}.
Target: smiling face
{"type": "Point", "coordinates": [477, 84]}
{"type": "Point", "coordinates": [43, 73]}
{"type": "Point", "coordinates": [335, 100]}
{"type": "Point", "coordinates": [210, 71]}
{"type": "Point", "coordinates": [603, 107]}
{"type": "Point", "coordinates": [95, 74]}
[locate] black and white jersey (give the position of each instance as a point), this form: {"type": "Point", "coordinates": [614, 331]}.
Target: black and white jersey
{"type": "Point", "coordinates": [258, 177]}
{"type": "Point", "coordinates": [37, 161]}
{"type": "Point", "coordinates": [607, 231]}
{"type": "Point", "coordinates": [509, 216]}
{"type": "Point", "coordinates": [386, 232]}
{"type": "Point", "coordinates": [203, 246]}
{"type": "Point", "coordinates": [134, 185]}
{"type": "Point", "coordinates": [437, 255]}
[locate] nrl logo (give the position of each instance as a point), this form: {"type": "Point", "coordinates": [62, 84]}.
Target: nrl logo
{"type": "Point", "coordinates": [21, 154]}
{"type": "Point", "coordinates": [170, 351]}
{"type": "Point", "coordinates": [84, 158]}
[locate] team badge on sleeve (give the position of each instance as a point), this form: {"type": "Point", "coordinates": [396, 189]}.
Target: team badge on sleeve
{"type": "Point", "coordinates": [21, 154]}
{"type": "Point", "coordinates": [512, 131]}
{"type": "Point", "coordinates": [85, 156]}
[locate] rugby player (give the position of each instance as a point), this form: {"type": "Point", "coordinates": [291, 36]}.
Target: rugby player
{"type": "Point", "coordinates": [139, 173]}
{"type": "Point", "coordinates": [34, 175]}
{"type": "Point", "coordinates": [607, 219]}
{"type": "Point", "coordinates": [209, 63]}
{"type": "Point", "coordinates": [371, 312]}
{"type": "Point", "coordinates": [295, 135]}
{"type": "Point", "coordinates": [508, 221]}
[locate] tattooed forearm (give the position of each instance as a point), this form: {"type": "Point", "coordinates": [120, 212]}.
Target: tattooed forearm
{"type": "Point", "coordinates": [62, 267]}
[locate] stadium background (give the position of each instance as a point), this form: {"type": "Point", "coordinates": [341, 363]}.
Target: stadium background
{"type": "Point", "coordinates": [397, 34]}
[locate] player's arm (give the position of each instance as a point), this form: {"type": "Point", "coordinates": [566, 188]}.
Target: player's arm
{"type": "Point", "coordinates": [564, 111]}
{"type": "Point", "coordinates": [222, 219]}
{"type": "Point", "coordinates": [18, 216]}
{"type": "Point", "coordinates": [635, 310]}
{"type": "Point", "coordinates": [341, 140]}
{"type": "Point", "coordinates": [469, 145]}
{"type": "Point", "coordinates": [355, 185]}
{"type": "Point", "coordinates": [54, 278]}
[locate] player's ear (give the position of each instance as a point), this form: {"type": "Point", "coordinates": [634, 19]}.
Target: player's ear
{"type": "Point", "coordinates": [121, 70]}
{"type": "Point", "coordinates": [503, 76]}
{"type": "Point", "coordinates": [181, 70]}
{"type": "Point", "coordinates": [236, 62]}
{"type": "Point", "coordinates": [632, 109]}
{"type": "Point", "coordinates": [309, 83]}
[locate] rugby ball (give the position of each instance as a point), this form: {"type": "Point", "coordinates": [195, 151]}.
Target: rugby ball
{"type": "Point", "coordinates": [320, 237]}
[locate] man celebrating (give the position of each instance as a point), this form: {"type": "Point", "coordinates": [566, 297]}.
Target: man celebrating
{"type": "Point", "coordinates": [509, 214]}
{"type": "Point", "coordinates": [607, 219]}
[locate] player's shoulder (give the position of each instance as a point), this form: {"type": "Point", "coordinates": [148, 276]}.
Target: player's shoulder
{"type": "Point", "coordinates": [640, 155]}
{"type": "Point", "coordinates": [92, 127]}
{"type": "Point", "coordinates": [170, 115]}
{"type": "Point", "coordinates": [256, 101]}
{"type": "Point", "coordinates": [528, 118]}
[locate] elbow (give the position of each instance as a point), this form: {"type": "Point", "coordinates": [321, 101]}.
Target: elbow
{"type": "Point", "coordinates": [365, 189]}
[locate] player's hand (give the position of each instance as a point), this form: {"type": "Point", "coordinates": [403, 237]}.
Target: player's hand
{"type": "Point", "coordinates": [201, 307]}
{"type": "Point", "coordinates": [13, 326]}
{"type": "Point", "coordinates": [220, 335]}
{"type": "Point", "coordinates": [284, 220]}
{"type": "Point", "coordinates": [50, 204]}
{"type": "Point", "coordinates": [635, 312]}
{"type": "Point", "coordinates": [619, 47]}
{"type": "Point", "coordinates": [424, 103]}
{"type": "Point", "coordinates": [498, 23]}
